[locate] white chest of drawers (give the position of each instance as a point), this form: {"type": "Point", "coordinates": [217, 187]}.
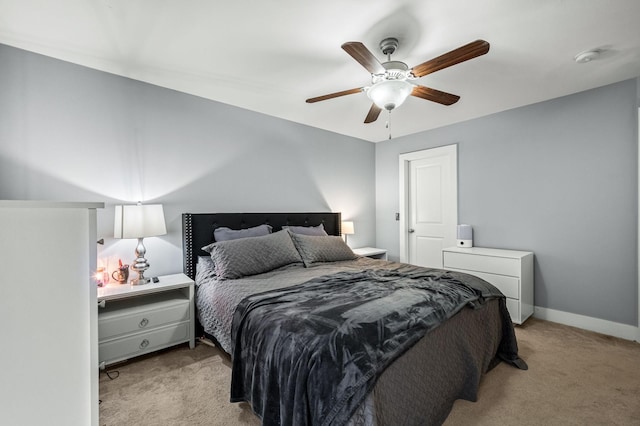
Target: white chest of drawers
{"type": "Point", "coordinates": [510, 271]}
{"type": "Point", "coordinates": [135, 320]}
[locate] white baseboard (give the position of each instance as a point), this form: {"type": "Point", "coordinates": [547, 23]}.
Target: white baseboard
{"type": "Point", "coordinates": [610, 328]}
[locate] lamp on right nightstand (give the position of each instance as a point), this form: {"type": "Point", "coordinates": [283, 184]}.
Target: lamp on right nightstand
{"type": "Point", "coordinates": [347, 229]}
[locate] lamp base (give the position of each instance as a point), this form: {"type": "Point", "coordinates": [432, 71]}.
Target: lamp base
{"type": "Point", "coordinates": [140, 280]}
{"type": "Point", "coordinates": [140, 265]}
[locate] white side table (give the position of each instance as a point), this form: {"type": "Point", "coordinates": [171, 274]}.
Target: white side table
{"type": "Point", "coordinates": [136, 320]}
{"type": "Point", "coordinates": [372, 252]}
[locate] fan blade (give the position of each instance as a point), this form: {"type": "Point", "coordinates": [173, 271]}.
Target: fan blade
{"type": "Point", "coordinates": [461, 54]}
{"type": "Point", "coordinates": [373, 114]}
{"type": "Point", "coordinates": [334, 95]}
{"type": "Point", "coordinates": [434, 95]}
{"type": "Point", "coordinates": [360, 53]}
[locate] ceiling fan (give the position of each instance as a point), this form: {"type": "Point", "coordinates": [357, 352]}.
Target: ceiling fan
{"type": "Point", "coordinates": [392, 81]}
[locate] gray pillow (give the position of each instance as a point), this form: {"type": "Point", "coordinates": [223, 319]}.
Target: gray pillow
{"type": "Point", "coordinates": [307, 230]}
{"type": "Point", "coordinates": [253, 255]}
{"type": "Point", "coordinates": [321, 249]}
{"type": "Point", "coordinates": [205, 269]}
{"type": "Point", "coordinates": [226, 234]}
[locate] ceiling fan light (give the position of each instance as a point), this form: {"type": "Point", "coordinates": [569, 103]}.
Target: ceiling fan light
{"type": "Point", "coordinates": [389, 94]}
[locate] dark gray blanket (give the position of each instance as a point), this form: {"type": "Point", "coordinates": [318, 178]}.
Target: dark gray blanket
{"type": "Point", "coordinates": [309, 354]}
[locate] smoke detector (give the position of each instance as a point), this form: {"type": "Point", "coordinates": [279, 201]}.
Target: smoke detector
{"type": "Point", "coordinates": [587, 56]}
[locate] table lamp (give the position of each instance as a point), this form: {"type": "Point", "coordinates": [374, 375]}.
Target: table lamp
{"type": "Point", "coordinates": [347, 229]}
{"type": "Point", "coordinates": [139, 221]}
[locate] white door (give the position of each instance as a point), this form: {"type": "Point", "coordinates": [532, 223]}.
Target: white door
{"type": "Point", "coordinates": [429, 205]}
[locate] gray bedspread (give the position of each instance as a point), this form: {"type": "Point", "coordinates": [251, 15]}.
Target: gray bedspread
{"type": "Point", "coordinates": [217, 300]}
{"type": "Point", "coordinates": [309, 354]}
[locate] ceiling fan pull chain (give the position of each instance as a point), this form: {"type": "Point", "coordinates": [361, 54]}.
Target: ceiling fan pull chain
{"type": "Point", "coordinates": [389, 124]}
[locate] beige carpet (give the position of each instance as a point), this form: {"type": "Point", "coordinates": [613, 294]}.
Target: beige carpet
{"type": "Point", "coordinates": [575, 377]}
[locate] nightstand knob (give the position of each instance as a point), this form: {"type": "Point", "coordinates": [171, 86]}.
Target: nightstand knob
{"type": "Point", "coordinates": [143, 323]}
{"type": "Point", "coordinates": [144, 344]}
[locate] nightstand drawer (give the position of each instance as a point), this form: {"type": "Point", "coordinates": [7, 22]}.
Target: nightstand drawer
{"type": "Point", "coordinates": [123, 321]}
{"type": "Point", "coordinates": [491, 264]}
{"type": "Point", "coordinates": [141, 343]}
{"type": "Point", "coordinates": [137, 319]}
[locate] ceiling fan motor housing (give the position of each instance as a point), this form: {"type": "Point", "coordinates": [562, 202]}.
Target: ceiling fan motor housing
{"type": "Point", "coordinates": [395, 67]}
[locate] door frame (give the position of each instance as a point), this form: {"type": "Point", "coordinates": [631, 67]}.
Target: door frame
{"type": "Point", "coordinates": [638, 245]}
{"type": "Point", "coordinates": [404, 160]}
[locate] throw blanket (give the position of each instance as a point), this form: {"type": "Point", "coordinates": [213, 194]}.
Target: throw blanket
{"type": "Point", "coordinates": [309, 354]}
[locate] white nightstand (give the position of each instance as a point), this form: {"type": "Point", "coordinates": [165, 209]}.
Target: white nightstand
{"type": "Point", "coordinates": [136, 320]}
{"type": "Point", "coordinates": [372, 252]}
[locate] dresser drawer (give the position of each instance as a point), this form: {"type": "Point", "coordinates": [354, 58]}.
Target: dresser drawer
{"type": "Point", "coordinates": [509, 286]}
{"type": "Point", "coordinates": [124, 321]}
{"type": "Point", "coordinates": [141, 343]}
{"type": "Point", "coordinates": [491, 264]}
{"type": "Point", "coordinates": [513, 306]}
{"type": "Point", "coordinates": [510, 271]}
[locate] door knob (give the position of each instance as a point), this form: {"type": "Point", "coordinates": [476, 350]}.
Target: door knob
{"type": "Point", "coordinates": [411, 231]}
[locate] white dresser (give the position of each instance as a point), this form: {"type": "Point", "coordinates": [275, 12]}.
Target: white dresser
{"type": "Point", "coordinates": [136, 320]}
{"type": "Point", "coordinates": [510, 271]}
{"type": "Point", "coordinates": [48, 313]}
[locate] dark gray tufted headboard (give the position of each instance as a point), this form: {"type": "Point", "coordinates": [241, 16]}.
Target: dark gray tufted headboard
{"type": "Point", "coordinates": [197, 228]}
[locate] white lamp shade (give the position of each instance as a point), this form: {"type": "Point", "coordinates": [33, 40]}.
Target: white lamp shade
{"type": "Point", "coordinates": [347, 228]}
{"type": "Point", "coordinates": [389, 94]}
{"type": "Point", "coordinates": [139, 221]}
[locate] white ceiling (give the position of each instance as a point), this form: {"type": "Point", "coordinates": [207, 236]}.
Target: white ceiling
{"type": "Point", "coordinates": [271, 55]}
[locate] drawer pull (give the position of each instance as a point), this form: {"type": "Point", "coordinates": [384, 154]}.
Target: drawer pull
{"type": "Point", "coordinates": [144, 344]}
{"type": "Point", "coordinates": [143, 323]}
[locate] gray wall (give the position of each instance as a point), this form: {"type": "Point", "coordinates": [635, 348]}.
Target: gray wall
{"type": "Point", "coordinates": [72, 133]}
{"type": "Point", "coordinates": [559, 178]}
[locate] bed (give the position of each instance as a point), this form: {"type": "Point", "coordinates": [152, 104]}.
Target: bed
{"type": "Point", "coordinates": [318, 335]}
